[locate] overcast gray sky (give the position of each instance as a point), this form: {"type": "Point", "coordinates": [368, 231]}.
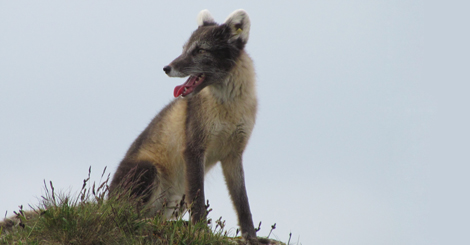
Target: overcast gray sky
{"type": "Point", "coordinates": [340, 150]}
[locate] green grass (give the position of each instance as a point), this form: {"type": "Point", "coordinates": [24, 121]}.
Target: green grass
{"type": "Point", "coordinates": [90, 218]}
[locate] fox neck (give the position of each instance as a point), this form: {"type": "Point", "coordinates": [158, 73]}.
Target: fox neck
{"type": "Point", "coordinates": [239, 83]}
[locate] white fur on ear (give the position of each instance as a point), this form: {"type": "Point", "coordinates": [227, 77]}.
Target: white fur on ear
{"type": "Point", "coordinates": [204, 17]}
{"type": "Point", "coordinates": [239, 22]}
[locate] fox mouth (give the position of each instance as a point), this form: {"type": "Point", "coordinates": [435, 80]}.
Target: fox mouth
{"type": "Point", "coordinates": [189, 86]}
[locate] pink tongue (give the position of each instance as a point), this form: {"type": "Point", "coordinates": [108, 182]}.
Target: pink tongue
{"type": "Point", "coordinates": [188, 84]}
{"type": "Point", "coordinates": [178, 90]}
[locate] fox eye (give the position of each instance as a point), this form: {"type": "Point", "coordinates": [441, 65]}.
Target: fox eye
{"type": "Point", "coordinates": [201, 51]}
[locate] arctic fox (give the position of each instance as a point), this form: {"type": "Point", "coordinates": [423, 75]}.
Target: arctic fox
{"type": "Point", "coordinates": [210, 121]}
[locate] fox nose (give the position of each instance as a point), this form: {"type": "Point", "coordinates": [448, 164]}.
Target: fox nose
{"type": "Point", "coordinates": [167, 69]}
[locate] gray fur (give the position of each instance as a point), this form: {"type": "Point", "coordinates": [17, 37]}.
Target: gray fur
{"type": "Point", "coordinates": [210, 124]}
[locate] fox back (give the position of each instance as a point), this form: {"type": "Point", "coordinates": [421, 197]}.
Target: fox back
{"type": "Point", "coordinates": [209, 121]}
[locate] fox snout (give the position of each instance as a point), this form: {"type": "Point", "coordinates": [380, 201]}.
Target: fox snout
{"type": "Point", "coordinates": [167, 69]}
{"type": "Point", "coordinates": [173, 72]}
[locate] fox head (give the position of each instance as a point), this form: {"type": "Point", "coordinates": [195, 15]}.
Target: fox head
{"type": "Point", "coordinates": [210, 53]}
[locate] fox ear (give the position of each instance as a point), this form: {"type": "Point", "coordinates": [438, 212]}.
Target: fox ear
{"type": "Point", "coordinates": [239, 24]}
{"type": "Point", "coordinates": [205, 18]}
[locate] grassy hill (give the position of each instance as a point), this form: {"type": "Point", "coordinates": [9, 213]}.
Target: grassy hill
{"type": "Point", "coordinates": [90, 218]}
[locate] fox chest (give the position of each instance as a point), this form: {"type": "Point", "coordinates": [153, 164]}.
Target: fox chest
{"type": "Point", "coordinates": [228, 133]}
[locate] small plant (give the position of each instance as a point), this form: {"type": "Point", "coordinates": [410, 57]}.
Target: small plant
{"type": "Point", "coordinates": [90, 218]}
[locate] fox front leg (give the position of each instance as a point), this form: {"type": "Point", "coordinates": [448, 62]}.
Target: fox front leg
{"type": "Point", "coordinates": [194, 161]}
{"type": "Point", "coordinates": [235, 179]}
{"type": "Point", "coordinates": [195, 183]}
